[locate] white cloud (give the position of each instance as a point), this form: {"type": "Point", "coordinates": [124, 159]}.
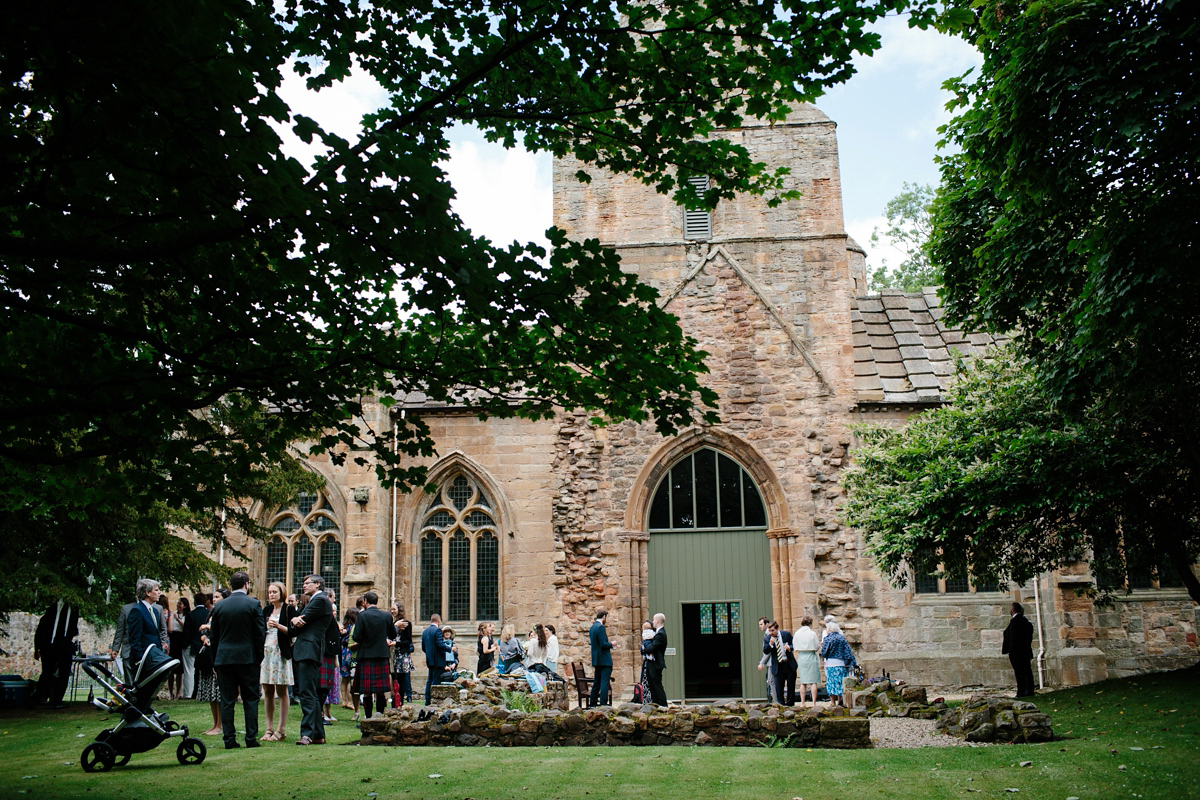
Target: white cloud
{"type": "Point", "coordinates": [922, 55]}
{"type": "Point", "coordinates": [503, 194]}
{"type": "Point", "coordinates": [338, 109]}
{"type": "Point", "coordinates": [860, 231]}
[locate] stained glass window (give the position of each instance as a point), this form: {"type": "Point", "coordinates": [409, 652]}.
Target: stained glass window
{"type": "Point", "coordinates": [302, 561]}
{"type": "Point", "coordinates": [706, 618]}
{"type": "Point", "coordinates": [460, 576]}
{"type": "Point", "coordinates": [926, 583]}
{"type": "Point", "coordinates": [331, 562]}
{"type": "Point", "coordinates": [322, 524]}
{"type": "Point", "coordinates": [460, 492]}
{"type": "Point", "coordinates": [277, 561]}
{"type": "Point", "coordinates": [722, 618]}
{"type": "Point", "coordinates": [457, 526]}
{"type": "Point", "coordinates": [306, 502]}
{"type": "Point", "coordinates": [706, 490]}
{"type": "Point", "coordinates": [431, 575]}
{"type": "Point", "coordinates": [478, 519]}
{"type": "Point", "coordinates": [487, 577]}
{"type": "Point", "coordinates": [957, 584]}
{"type": "Point", "coordinates": [292, 555]}
{"type": "Point", "coordinates": [735, 617]}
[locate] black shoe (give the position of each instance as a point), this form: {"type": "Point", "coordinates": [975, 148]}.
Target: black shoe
{"type": "Point", "coordinates": [58, 706]}
{"type": "Point", "coordinates": [232, 745]}
{"type": "Point", "coordinates": [253, 743]}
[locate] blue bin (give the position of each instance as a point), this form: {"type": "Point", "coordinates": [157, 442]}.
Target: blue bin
{"type": "Point", "coordinates": [13, 694]}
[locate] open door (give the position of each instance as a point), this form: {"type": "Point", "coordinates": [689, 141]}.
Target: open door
{"type": "Point", "coordinates": [712, 652]}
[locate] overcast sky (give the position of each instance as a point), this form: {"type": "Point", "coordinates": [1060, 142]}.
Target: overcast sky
{"type": "Point", "coordinates": [887, 117]}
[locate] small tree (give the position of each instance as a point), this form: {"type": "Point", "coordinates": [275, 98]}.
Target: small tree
{"type": "Point", "coordinates": [1001, 486]}
{"type": "Point", "coordinates": [908, 230]}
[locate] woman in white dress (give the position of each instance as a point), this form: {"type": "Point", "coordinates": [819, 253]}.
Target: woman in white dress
{"type": "Point", "coordinates": [805, 645]}
{"type": "Point", "coordinates": [552, 648]}
{"type": "Point", "coordinates": [276, 671]}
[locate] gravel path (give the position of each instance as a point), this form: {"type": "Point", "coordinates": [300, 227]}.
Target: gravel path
{"type": "Point", "coordinates": [902, 732]}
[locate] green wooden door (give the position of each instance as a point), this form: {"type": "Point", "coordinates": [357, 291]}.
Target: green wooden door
{"type": "Point", "coordinates": [727, 566]}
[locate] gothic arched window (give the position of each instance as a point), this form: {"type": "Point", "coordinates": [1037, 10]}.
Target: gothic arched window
{"type": "Point", "coordinates": [707, 490]}
{"type": "Point", "coordinates": [306, 540]}
{"type": "Point", "coordinates": [460, 554]}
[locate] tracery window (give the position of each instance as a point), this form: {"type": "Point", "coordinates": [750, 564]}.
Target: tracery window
{"type": "Point", "coordinates": [707, 490]}
{"type": "Point", "coordinates": [460, 554]}
{"type": "Point", "coordinates": [306, 540]}
{"type": "Point", "coordinates": [938, 582]}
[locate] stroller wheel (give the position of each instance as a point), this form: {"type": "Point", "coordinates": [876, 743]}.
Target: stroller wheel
{"type": "Point", "coordinates": [191, 751]}
{"type": "Point", "coordinates": [98, 757]}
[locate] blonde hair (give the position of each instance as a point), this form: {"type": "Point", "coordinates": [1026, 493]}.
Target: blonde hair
{"type": "Point", "coordinates": [507, 632]}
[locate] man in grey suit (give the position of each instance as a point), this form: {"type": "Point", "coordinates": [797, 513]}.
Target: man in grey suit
{"type": "Point", "coordinates": [123, 643]}
{"type": "Point", "coordinates": [238, 632]}
{"type": "Point", "coordinates": [307, 651]}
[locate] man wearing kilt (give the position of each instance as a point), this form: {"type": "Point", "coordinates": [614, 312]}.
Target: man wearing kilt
{"type": "Point", "coordinates": [374, 632]}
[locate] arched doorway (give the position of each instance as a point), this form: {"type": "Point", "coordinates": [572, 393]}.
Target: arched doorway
{"type": "Point", "coordinates": [709, 571]}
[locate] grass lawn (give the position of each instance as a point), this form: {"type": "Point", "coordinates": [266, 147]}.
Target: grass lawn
{"type": "Point", "coordinates": [1137, 737]}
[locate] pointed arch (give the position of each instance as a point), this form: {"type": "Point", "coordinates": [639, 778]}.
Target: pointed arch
{"type": "Point", "coordinates": [455, 536]}
{"type": "Point", "coordinates": [637, 509]}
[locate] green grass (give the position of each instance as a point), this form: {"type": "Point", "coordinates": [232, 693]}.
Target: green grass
{"type": "Point", "coordinates": [1098, 725]}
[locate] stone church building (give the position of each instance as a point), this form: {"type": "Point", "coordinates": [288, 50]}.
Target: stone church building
{"type": "Point", "coordinates": [717, 526]}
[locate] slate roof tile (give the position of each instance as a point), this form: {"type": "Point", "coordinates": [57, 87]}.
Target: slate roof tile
{"type": "Point", "coordinates": [904, 351]}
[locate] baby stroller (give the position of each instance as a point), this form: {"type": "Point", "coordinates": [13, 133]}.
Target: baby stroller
{"type": "Point", "coordinates": [140, 728]}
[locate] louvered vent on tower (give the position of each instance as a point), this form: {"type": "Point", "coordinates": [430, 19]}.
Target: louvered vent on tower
{"type": "Point", "coordinates": [697, 225]}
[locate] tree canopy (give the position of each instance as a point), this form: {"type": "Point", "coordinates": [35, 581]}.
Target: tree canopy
{"type": "Point", "coordinates": [1000, 485]}
{"type": "Point", "coordinates": [182, 302]}
{"type": "Point", "coordinates": [1069, 211]}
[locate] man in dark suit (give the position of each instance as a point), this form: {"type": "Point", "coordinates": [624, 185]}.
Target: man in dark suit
{"type": "Point", "coordinates": [602, 662]}
{"type": "Point", "coordinates": [191, 634]}
{"type": "Point", "coordinates": [435, 646]}
{"type": "Point", "coordinates": [778, 650]}
{"type": "Point", "coordinates": [654, 668]}
{"type": "Point", "coordinates": [307, 651]}
{"type": "Point", "coordinates": [146, 625]}
{"type": "Point", "coordinates": [373, 632]}
{"type": "Point", "coordinates": [1018, 644]}
{"type": "Point", "coordinates": [237, 632]}
{"type": "Point", "coordinates": [54, 644]}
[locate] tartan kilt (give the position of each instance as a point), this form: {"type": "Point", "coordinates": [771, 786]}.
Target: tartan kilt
{"type": "Point", "coordinates": [330, 674]}
{"type": "Point", "coordinates": [373, 676]}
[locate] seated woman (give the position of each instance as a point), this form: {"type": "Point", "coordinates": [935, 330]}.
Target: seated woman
{"type": "Point", "coordinates": [511, 653]}
{"type": "Point", "coordinates": [536, 647]}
